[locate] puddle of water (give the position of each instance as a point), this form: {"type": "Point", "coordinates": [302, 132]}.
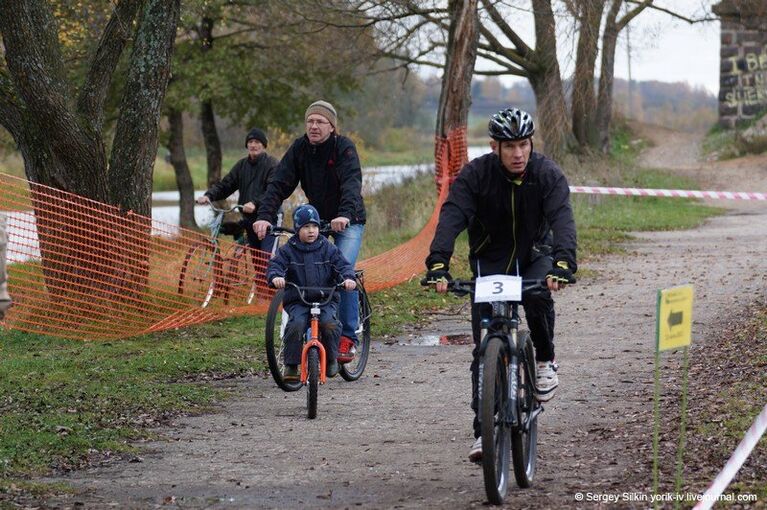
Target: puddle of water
{"type": "Point", "coordinates": [429, 340]}
{"type": "Point", "coordinates": [432, 340]}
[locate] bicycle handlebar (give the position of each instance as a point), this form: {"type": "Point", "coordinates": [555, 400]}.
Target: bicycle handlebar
{"type": "Point", "coordinates": [330, 290]}
{"type": "Point", "coordinates": [462, 287]}
{"type": "Point", "coordinates": [225, 211]}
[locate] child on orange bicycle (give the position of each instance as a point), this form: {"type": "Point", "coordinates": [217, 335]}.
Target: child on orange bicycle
{"type": "Point", "coordinates": [308, 259]}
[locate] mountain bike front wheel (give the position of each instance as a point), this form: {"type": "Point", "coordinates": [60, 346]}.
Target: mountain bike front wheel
{"type": "Point", "coordinates": [494, 429]}
{"type": "Point", "coordinates": [524, 439]}
{"type": "Point", "coordinates": [312, 381]}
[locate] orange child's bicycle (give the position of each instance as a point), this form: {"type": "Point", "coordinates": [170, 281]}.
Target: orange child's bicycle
{"type": "Point", "coordinates": [313, 357]}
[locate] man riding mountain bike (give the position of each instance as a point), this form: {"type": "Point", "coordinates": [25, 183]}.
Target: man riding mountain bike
{"type": "Point", "coordinates": [515, 204]}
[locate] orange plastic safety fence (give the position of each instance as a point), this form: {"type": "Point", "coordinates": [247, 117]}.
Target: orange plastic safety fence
{"type": "Point", "coordinates": [85, 270]}
{"type": "Point", "coordinates": [81, 269]}
{"type": "Point", "coordinates": [451, 153]}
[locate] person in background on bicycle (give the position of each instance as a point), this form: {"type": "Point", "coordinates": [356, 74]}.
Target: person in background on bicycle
{"type": "Point", "coordinates": [250, 176]}
{"type": "Point", "coordinates": [515, 204]}
{"type": "Point", "coordinates": [328, 168]}
{"type": "Point", "coordinates": [309, 260]}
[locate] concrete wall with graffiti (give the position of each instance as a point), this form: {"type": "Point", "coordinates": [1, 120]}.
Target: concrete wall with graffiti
{"type": "Point", "coordinates": [743, 70]}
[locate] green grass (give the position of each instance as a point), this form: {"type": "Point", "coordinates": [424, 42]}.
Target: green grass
{"type": "Point", "coordinates": [723, 144]}
{"type": "Point", "coordinates": [397, 212]}
{"type": "Point", "coordinates": [604, 222]}
{"type": "Point", "coordinates": [63, 399]}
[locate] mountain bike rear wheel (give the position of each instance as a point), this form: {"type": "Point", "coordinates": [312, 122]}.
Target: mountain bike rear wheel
{"type": "Point", "coordinates": [494, 429]}
{"type": "Point", "coordinates": [276, 320]}
{"type": "Point", "coordinates": [353, 370]}
{"type": "Point", "coordinates": [313, 381]}
{"type": "Point", "coordinates": [524, 439]}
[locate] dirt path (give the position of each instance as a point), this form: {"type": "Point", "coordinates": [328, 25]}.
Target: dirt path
{"type": "Point", "coordinates": [398, 438]}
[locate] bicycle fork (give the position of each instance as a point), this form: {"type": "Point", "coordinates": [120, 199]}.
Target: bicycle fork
{"type": "Point", "coordinates": [313, 334]}
{"type": "Point", "coordinates": [508, 410]}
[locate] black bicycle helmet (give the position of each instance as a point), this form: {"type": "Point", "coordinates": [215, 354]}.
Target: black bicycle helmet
{"type": "Point", "coordinates": [511, 124]}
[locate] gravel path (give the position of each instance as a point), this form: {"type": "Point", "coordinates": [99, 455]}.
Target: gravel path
{"type": "Point", "coordinates": [398, 438]}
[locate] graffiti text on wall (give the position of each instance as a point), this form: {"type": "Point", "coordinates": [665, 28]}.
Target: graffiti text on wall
{"type": "Point", "coordinates": [751, 71]}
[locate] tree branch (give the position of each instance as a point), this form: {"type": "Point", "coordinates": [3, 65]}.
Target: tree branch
{"type": "Point", "coordinates": [633, 13]}
{"type": "Point", "coordinates": [517, 41]}
{"type": "Point", "coordinates": [674, 14]}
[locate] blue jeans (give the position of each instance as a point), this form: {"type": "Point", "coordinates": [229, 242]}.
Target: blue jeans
{"type": "Point", "coordinates": [349, 242]}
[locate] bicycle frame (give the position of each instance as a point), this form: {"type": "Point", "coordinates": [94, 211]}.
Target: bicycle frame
{"type": "Point", "coordinates": [313, 341]}
{"type": "Point", "coordinates": [313, 333]}
{"type": "Point", "coordinates": [504, 325]}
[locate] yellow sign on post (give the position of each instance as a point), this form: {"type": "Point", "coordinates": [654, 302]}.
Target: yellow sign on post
{"type": "Point", "coordinates": [674, 327]}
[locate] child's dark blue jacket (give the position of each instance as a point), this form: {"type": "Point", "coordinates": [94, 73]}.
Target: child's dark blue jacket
{"type": "Point", "coordinates": [317, 264]}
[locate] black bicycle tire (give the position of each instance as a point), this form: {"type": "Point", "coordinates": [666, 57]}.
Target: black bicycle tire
{"type": "Point", "coordinates": [273, 343]}
{"type": "Point", "coordinates": [495, 433]}
{"type": "Point", "coordinates": [524, 443]}
{"type": "Point", "coordinates": [354, 370]}
{"type": "Point", "coordinates": [312, 381]}
{"type": "Point", "coordinates": [208, 246]}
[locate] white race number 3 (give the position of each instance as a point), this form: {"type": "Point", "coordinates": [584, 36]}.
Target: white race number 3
{"type": "Point", "coordinates": [499, 287]}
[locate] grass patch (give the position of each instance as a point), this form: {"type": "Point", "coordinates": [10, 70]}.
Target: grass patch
{"type": "Point", "coordinates": [63, 401]}
{"type": "Point", "coordinates": [722, 144]}
{"type": "Point", "coordinates": [395, 213]}
{"type": "Point", "coordinates": [604, 222]}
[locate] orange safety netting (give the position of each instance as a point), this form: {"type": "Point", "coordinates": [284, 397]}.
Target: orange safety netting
{"type": "Point", "coordinates": [85, 270]}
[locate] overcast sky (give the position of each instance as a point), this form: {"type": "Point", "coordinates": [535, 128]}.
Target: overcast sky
{"type": "Point", "coordinates": [662, 48]}
{"type": "Point", "coordinates": [666, 49]}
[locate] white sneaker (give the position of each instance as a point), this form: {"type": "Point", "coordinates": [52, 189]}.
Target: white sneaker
{"type": "Point", "coordinates": [475, 453]}
{"type": "Point", "coordinates": [546, 380]}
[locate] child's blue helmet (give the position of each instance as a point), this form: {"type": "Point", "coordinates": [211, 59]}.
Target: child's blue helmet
{"type": "Point", "coordinates": [305, 214]}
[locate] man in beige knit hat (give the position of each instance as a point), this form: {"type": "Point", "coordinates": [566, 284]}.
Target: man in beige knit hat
{"type": "Point", "coordinates": [328, 168]}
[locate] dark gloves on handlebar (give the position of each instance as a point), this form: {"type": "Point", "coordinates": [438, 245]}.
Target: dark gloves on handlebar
{"type": "Point", "coordinates": [561, 273]}
{"type": "Point", "coordinates": [438, 272]}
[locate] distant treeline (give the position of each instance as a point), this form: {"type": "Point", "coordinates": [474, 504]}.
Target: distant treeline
{"type": "Point", "coordinates": [675, 105]}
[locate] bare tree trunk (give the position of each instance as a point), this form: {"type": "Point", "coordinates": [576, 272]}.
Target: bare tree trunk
{"type": "Point", "coordinates": [207, 115]}
{"type": "Point", "coordinates": [181, 168]}
{"type": "Point", "coordinates": [584, 98]}
{"type": "Point", "coordinates": [455, 96]}
{"type": "Point", "coordinates": [613, 26]}
{"type": "Point", "coordinates": [212, 142]}
{"type": "Point", "coordinates": [135, 141]}
{"type": "Point", "coordinates": [606, 78]}
{"type": "Point", "coordinates": [37, 97]}
{"type": "Point", "coordinates": [546, 82]}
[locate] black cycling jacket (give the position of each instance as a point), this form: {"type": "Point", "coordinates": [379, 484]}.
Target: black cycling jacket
{"type": "Point", "coordinates": [250, 177]}
{"type": "Point", "coordinates": [329, 173]}
{"type": "Point", "coordinates": [506, 218]}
